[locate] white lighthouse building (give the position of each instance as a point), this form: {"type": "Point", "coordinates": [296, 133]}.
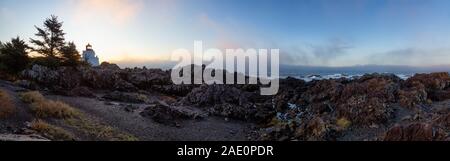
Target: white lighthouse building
{"type": "Point", "coordinates": [89, 56]}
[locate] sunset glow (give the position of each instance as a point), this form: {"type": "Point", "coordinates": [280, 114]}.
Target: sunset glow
{"type": "Point", "coordinates": [320, 33]}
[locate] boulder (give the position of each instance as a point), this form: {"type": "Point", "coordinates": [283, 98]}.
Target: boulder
{"type": "Point", "coordinates": [171, 115]}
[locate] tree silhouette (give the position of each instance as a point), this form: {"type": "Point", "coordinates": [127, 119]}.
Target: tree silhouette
{"type": "Point", "coordinates": [70, 55]}
{"type": "Point", "coordinates": [14, 56]}
{"type": "Point", "coordinates": [51, 39]}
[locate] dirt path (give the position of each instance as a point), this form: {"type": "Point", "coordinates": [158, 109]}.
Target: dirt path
{"type": "Point", "coordinates": [210, 128]}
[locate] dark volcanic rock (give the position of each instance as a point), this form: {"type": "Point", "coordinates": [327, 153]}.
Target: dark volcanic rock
{"type": "Point", "coordinates": [228, 101]}
{"type": "Point", "coordinates": [174, 90]}
{"type": "Point", "coordinates": [433, 81]}
{"type": "Point", "coordinates": [439, 95]}
{"type": "Point", "coordinates": [215, 94]}
{"type": "Point", "coordinates": [170, 115]}
{"type": "Point", "coordinates": [415, 132]}
{"type": "Point", "coordinates": [107, 77]}
{"type": "Point", "coordinates": [126, 97]}
{"type": "Point", "coordinates": [81, 91]}
{"type": "Point", "coordinates": [146, 78]}
{"type": "Point", "coordinates": [106, 65]}
{"type": "Point", "coordinates": [326, 90]}
{"type": "Point", "coordinates": [316, 129]}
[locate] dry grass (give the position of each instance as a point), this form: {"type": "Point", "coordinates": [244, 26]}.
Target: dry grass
{"type": "Point", "coordinates": [31, 97]}
{"type": "Point", "coordinates": [53, 109]}
{"type": "Point", "coordinates": [50, 131]}
{"type": "Point", "coordinates": [343, 123]}
{"type": "Point", "coordinates": [44, 108]}
{"type": "Point", "coordinates": [99, 131]}
{"type": "Point", "coordinates": [7, 106]}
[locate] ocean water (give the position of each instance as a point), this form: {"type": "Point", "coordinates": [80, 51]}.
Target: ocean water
{"type": "Point", "coordinates": [312, 77]}
{"type": "Point", "coordinates": [307, 73]}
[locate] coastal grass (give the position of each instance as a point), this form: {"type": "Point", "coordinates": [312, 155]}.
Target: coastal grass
{"type": "Point", "coordinates": [44, 108]}
{"type": "Point", "coordinates": [98, 130]}
{"type": "Point", "coordinates": [50, 131]}
{"type": "Point", "coordinates": [7, 107]}
{"type": "Point", "coordinates": [31, 97]}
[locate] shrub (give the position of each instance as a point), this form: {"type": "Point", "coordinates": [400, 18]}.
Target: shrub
{"type": "Point", "coordinates": [54, 133]}
{"type": "Point", "coordinates": [7, 107]}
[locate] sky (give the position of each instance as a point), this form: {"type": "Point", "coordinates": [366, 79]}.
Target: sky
{"type": "Point", "coordinates": [307, 32]}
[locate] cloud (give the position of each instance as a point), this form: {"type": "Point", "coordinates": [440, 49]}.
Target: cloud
{"type": "Point", "coordinates": [115, 11]}
{"type": "Point", "coordinates": [412, 57]}
{"type": "Point", "coordinates": [315, 54]}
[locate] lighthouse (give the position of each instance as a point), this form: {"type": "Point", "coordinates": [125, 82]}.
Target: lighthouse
{"type": "Point", "coordinates": [89, 56]}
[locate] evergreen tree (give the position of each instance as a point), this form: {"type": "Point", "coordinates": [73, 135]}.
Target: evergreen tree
{"type": "Point", "coordinates": [70, 55]}
{"type": "Point", "coordinates": [51, 40]}
{"type": "Point", "coordinates": [14, 56]}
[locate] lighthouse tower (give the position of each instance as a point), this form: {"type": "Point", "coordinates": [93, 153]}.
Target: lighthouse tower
{"type": "Point", "coordinates": [89, 56]}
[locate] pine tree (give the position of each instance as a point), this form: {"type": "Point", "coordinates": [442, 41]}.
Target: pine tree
{"type": "Point", "coordinates": [14, 56]}
{"type": "Point", "coordinates": [51, 40]}
{"type": "Point", "coordinates": [70, 55]}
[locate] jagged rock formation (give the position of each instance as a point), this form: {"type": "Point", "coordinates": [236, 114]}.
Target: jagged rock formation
{"type": "Point", "coordinates": [394, 109]}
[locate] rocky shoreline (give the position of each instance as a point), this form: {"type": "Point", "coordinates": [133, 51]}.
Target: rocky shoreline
{"type": "Point", "coordinates": [372, 107]}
